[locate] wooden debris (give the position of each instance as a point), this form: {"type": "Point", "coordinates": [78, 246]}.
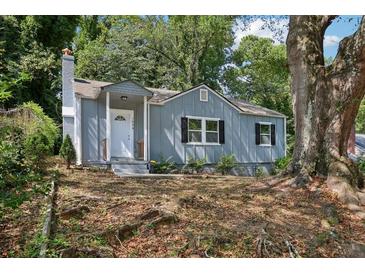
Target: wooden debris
{"type": "Point", "coordinates": [74, 212]}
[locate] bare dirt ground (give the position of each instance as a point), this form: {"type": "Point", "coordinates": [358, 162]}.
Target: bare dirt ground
{"type": "Point", "coordinates": [20, 225]}
{"type": "Point", "coordinates": [102, 215]}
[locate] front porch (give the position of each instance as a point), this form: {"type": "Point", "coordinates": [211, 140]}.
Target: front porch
{"type": "Point", "coordinates": [126, 123]}
{"type": "Point", "coordinates": [114, 127]}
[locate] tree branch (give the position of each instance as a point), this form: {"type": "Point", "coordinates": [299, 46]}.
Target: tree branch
{"type": "Point", "coordinates": [351, 51]}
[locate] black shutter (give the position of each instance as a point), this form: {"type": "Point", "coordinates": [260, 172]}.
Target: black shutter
{"type": "Point", "coordinates": [273, 135]}
{"type": "Point", "coordinates": [221, 131]}
{"type": "Point", "coordinates": [257, 133]}
{"type": "Point", "coordinates": [184, 130]}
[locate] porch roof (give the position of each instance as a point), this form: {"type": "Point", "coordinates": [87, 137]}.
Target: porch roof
{"type": "Point", "coordinates": [91, 89]}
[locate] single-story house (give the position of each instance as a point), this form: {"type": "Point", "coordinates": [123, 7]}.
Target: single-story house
{"type": "Point", "coordinates": [125, 122]}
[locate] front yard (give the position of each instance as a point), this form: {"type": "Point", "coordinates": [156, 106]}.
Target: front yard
{"type": "Point", "coordinates": [101, 215]}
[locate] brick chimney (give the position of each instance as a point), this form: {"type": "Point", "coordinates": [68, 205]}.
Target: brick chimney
{"type": "Point", "coordinates": [68, 97]}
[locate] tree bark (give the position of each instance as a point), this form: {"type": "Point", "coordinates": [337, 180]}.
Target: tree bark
{"type": "Point", "coordinates": [325, 99]}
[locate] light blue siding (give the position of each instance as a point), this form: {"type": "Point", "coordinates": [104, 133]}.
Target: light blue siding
{"type": "Point", "coordinates": [128, 87]}
{"type": "Point", "coordinates": [165, 131]}
{"type": "Point", "coordinates": [89, 130]}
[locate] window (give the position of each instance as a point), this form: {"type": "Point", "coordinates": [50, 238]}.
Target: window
{"type": "Point", "coordinates": [265, 134]}
{"type": "Point", "coordinates": [211, 134]}
{"type": "Point", "coordinates": [203, 95]}
{"type": "Point", "coordinates": [203, 130]}
{"type": "Point", "coordinates": [195, 130]}
{"type": "Point", "coordinates": [119, 118]}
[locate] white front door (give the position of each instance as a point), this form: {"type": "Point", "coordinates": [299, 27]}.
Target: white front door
{"type": "Point", "coordinates": [121, 133]}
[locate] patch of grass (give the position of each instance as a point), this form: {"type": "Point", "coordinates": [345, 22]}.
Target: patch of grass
{"type": "Point", "coordinates": [98, 241]}
{"type": "Point", "coordinates": [75, 225]}
{"type": "Point", "coordinates": [32, 248]}
{"type": "Point", "coordinates": [56, 244]}
{"type": "Point", "coordinates": [60, 241]}
{"type": "Point", "coordinates": [135, 232]}
{"type": "Point", "coordinates": [322, 238]}
{"type": "Point", "coordinates": [247, 245]}
{"type": "Point", "coordinates": [333, 220]}
{"type": "Point", "coordinates": [14, 198]}
{"type": "Point", "coordinates": [151, 226]}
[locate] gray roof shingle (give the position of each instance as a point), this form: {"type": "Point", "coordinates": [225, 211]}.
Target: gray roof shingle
{"type": "Point", "coordinates": [91, 89]}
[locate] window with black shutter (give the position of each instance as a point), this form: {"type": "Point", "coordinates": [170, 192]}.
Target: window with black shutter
{"type": "Point", "coordinates": [184, 130]}
{"type": "Point", "coordinates": [264, 134]}
{"type": "Point", "coordinates": [221, 132]}
{"type": "Point", "coordinates": [201, 130]}
{"type": "Point", "coordinates": [257, 133]}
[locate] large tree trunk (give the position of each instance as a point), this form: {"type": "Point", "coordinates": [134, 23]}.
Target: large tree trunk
{"type": "Point", "coordinates": [325, 99]}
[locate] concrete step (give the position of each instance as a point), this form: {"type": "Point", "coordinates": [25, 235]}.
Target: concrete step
{"type": "Point", "coordinates": [129, 169]}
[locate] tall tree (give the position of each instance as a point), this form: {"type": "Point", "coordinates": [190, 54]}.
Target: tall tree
{"type": "Point", "coordinates": [258, 73]}
{"type": "Point", "coordinates": [326, 100]}
{"type": "Point", "coordinates": [179, 51]}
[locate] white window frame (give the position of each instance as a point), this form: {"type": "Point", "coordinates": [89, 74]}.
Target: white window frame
{"type": "Point", "coordinates": [195, 130]}
{"type": "Point", "coordinates": [200, 93]}
{"type": "Point", "coordinates": [203, 130]}
{"type": "Point", "coordinates": [267, 124]}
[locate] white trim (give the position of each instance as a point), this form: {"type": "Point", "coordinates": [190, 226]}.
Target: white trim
{"type": "Point", "coordinates": [285, 136]}
{"type": "Point", "coordinates": [145, 128]}
{"type": "Point", "coordinates": [131, 128]}
{"type": "Point", "coordinates": [68, 111]}
{"type": "Point", "coordinates": [202, 117]}
{"type": "Point", "coordinates": [108, 128]}
{"type": "Point", "coordinates": [200, 93]}
{"type": "Point", "coordinates": [148, 131]}
{"type": "Point", "coordinates": [203, 131]}
{"type": "Point", "coordinates": [267, 124]}
{"type": "Point", "coordinates": [78, 141]}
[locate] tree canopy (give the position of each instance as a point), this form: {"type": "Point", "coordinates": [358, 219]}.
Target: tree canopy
{"type": "Point", "coordinates": [30, 48]}
{"type": "Point", "coordinates": [175, 52]}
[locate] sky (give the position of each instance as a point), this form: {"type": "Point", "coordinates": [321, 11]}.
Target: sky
{"type": "Point", "coordinates": [340, 28]}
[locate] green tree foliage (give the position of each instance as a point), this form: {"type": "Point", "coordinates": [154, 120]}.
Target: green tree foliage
{"type": "Point", "coordinates": [175, 52]}
{"type": "Point", "coordinates": [42, 123]}
{"type": "Point", "coordinates": [11, 156]}
{"type": "Point", "coordinates": [360, 118]}
{"type": "Point", "coordinates": [67, 151]}
{"type": "Point", "coordinates": [26, 138]}
{"type": "Point", "coordinates": [36, 149]}
{"type": "Point", "coordinates": [30, 48]}
{"type": "Point", "coordinates": [259, 74]}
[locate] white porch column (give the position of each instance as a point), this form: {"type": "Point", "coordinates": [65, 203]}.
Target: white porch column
{"type": "Point", "coordinates": [108, 128]}
{"type": "Point", "coordinates": [145, 141]}
{"type": "Point", "coordinates": [78, 142]}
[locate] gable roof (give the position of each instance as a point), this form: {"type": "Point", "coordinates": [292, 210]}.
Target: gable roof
{"type": "Point", "coordinates": [128, 87]}
{"type": "Point", "coordinates": [238, 104]}
{"type": "Point", "coordinates": [91, 89]}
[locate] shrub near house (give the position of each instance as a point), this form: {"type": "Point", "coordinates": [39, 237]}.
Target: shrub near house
{"type": "Point", "coordinates": [67, 151]}
{"type": "Point", "coordinates": [27, 136]}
